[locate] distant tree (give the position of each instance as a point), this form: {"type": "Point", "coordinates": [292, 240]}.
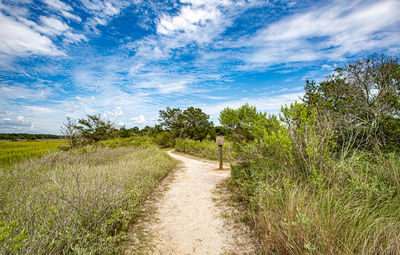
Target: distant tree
{"type": "Point", "coordinates": [94, 128]}
{"type": "Point", "coordinates": [170, 120]}
{"type": "Point", "coordinates": [147, 130]}
{"type": "Point", "coordinates": [195, 123]}
{"type": "Point", "coordinates": [124, 132]}
{"type": "Point", "coordinates": [360, 97]}
{"type": "Point", "coordinates": [190, 123]}
{"type": "Point", "coordinates": [70, 132]}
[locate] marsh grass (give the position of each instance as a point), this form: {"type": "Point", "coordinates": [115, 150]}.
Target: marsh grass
{"type": "Point", "coordinates": [77, 202]}
{"type": "Point", "coordinates": [15, 152]}
{"type": "Point", "coordinates": [204, 149]}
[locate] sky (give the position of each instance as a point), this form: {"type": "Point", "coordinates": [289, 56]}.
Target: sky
{"type": "Point", "coordinates": [126, 60]}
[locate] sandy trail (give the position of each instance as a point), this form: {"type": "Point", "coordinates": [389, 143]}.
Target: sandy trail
{"type": "Point", "coordinates": [189, 220]}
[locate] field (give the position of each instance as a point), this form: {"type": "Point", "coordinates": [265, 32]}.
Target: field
{"type": "Point", "coordinates": [76, 202]}
{"type": "Point", "coordinates": [14, 152]}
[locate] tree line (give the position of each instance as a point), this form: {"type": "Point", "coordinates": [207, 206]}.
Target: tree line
{"type": "Point", "coordinates": [173, 123]}
{"type": "Point", "coordinates": [24, 136]}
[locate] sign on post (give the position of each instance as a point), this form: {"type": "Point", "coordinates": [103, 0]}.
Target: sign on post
{"type": "Point", "coordinates": [220, 141]}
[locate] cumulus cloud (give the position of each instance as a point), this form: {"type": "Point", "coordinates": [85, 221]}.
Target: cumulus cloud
{"type": "Point", "coordinates": [116, 112]}
{"type": "Point", "coordinates": [140, 119]}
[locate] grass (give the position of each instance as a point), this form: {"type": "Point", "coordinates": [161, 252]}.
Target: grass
{"type": "Point", "coordinates": [77, 202]}
{"type": "Point", "coordinates": [204, 149]}
{"type": "Point", "coordinates": [15, 152]}
{"type": "Point", "coordinates": [352, 209]}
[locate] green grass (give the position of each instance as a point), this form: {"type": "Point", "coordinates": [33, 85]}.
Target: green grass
{"type": "Point", "coordinates": [204, 149]}
{"type": "Point", "coordinates": [14, 152]}
{"type": "Point", "coordinates": [78, 202]}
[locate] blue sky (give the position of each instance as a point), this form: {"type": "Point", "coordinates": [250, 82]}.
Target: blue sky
{"type": "Point", "coordinates": [126, 60]}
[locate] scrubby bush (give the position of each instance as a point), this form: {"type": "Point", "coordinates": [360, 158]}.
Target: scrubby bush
{"type": "Point", "coordinates": [164, 139]}
{"type": "Point", "coordinates": [205, 149]}
{"type": "Point", "coordinates": [305, 198]}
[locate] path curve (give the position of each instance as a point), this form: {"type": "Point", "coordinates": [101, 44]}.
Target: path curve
{"type": "Point", "coordinates": [189, 221]}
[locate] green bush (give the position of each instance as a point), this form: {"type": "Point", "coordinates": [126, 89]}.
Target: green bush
{"type": "Point", "coordinates": [301, 197]}
{"type": "Point", "coordinates": [205, 149]}
{"type": "Point", "coordinates": [164, 139]}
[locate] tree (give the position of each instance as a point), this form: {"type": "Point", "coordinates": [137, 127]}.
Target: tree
{"type": "Point", "coordinates": [94, 129]}
{"type": "Point", "coordinates": [360, 97]}
{"type": "Point", "coordinates": [195, 123]}
{"type": "Point", "coordinates": [191, 123]}
{"type": "Point", "coordinates": [169, 119]}
{"type": "Point", "coordinates": [70, 132]}
{"type": "Point", "coordinates": [240, 121]}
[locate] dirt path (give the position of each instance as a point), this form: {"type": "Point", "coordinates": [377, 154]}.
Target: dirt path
{"type": "Point", "coordinates": [188, 220]}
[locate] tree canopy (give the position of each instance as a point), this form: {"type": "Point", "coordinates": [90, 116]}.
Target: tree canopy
{"type": "Point", "coordinates": [361, 97]}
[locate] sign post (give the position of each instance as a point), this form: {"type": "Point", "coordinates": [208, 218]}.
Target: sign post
{"type": "Point", "coordinates": [220, 141]}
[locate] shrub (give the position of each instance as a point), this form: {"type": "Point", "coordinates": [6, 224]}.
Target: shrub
{"type": "Point", "coordinates": [205, 149]}
{"type": "Point", "coordinates": [302, 198]}
{"type": "Point", "coordinates": [164, 139]}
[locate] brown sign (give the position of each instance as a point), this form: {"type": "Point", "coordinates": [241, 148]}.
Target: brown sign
{"type": "Point", "coordinates": [219, 140]}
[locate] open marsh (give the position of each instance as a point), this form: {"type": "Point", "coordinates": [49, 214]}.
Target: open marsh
{"type": "Point", "coordinates": [76, 202]}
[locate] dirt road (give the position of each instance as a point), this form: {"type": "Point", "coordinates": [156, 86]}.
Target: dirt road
{"type": "Point", "coordinates": [188, 220]}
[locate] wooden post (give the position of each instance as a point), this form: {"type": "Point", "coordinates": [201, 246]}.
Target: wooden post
{"type": "Point", "coordinates": [220, 141]}
{"type": "Point", "coordinates": [221, 164]}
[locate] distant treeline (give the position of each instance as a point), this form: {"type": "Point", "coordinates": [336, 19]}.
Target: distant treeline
{"type": "Point", "coordinates": [24, 136]}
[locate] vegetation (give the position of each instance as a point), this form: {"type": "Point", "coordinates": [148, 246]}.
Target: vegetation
{"type": "Point", "coordinates": [190, 123]}
{"type": "Point", "coordinates": [361, 98]}
{"type": "Point", "coordinates": [23, 136]}
{"type": "Point", "coordinates": [77, 202]}
{"type": "Point", "coordinates": [323, 177]}
{"type": "Point", "coordinates": [205, 149]}
{"type": "Point", "coordinates": [94, 129]}
{"type": "Point", "coordinates": [12, 153]}
{"type": "Point", "coordinates": [313, 185]}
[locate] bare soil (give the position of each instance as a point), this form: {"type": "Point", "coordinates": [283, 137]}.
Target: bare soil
{"type": "Point", "coordinates": [187, 218]}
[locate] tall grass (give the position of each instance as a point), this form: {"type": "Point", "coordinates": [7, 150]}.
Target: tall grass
{"type": "Point", "coordinates": [204, 149]}
{"type": "Point", "coordinates": [14, 152]}
{"type": "Point", "coordinates": [76, 202]}
{"type": "Point", "coordinates": [353, 209]}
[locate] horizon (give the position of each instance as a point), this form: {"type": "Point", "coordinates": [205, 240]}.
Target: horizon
{"type": "Point", "coordinates": [126, 60]}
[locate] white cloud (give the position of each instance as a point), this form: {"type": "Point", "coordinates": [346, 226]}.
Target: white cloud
{"type": "Point", "coordinates": [116, 112]}
{"type": "Point", "coordinates": [52, 26]}
{"type": "Point", "coordinates": [59, 5]}
{"type": "Point", "coordinates": [194, 23]}
{"type": "Point", "coordinates": [39, 109]}
{"type": "Point", "coordinates": [15, 125]}
{"type": "Point", "coordinates": [20, 40]}
{"type": "Point", "coordinates": [329, 32]}
{"type": "Point", "coordinates": [270, 104]}
{"type": "Point", "coordinates": [102, 11]}
{"type": "Point", "coordinates": [140, 119]}
{"type": "Point", "coordinates": [63, 8]}
{"type": "Point", "coordinates": [21, 91]}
